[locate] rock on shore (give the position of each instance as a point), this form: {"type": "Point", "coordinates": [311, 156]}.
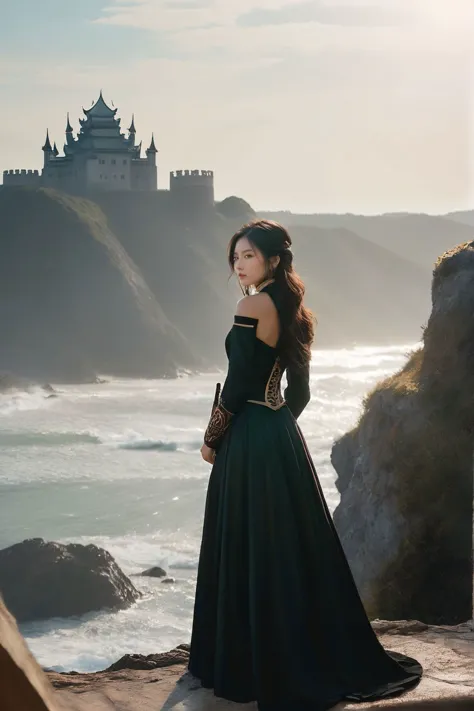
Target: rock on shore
{"type": "Point", "coordinates": [39, 580]}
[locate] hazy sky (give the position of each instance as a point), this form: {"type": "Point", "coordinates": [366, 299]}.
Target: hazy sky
{"type": "Point", "coordinates": [308, 105]}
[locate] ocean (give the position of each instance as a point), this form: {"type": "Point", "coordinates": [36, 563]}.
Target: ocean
{"type": "Point", "coordinates": [118, 464]}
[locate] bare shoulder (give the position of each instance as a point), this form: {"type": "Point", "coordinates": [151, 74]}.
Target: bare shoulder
{"type": "Point", "coordinates": [256, 306]}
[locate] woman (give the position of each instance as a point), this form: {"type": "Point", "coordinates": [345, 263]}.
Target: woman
{"type": "Point", "coordinates": [277, 615]}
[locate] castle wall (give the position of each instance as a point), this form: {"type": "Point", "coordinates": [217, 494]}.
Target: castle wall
{"type": "Point", "coordinates": [144, 175]}
{"type": "Point", "coordinates": [21, 178]}
{"type": "Point", "coordinates": [109, 172]}
{"type": "Point", "coordinates": [61, 175]}
{"type": "Point", "coordinates": [189, 189]}
{"type": "Point", "coordinates": [195, 188]}
{"type": "Point", "coordinates": [152, 176]}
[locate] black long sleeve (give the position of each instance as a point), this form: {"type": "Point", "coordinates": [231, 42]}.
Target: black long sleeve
{"type": "Point", "coordinates": [235, 391]}
{"type": "Point", "coordinates": [297, 393]}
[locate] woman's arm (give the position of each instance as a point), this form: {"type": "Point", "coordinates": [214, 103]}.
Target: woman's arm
{"type": "Point", "coordinates": [234, 393]}
{"type": "Point", "coordinates": [297, 393]}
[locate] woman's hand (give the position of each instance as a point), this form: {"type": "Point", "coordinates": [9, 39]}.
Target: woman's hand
{"type": "Point", "coordinates": [208, 454]}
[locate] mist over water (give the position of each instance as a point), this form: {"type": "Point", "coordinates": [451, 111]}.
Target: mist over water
{"type": "Point", "coordinates": [118, 465]}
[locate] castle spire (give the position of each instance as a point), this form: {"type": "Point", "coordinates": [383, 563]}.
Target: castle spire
{"type": "Point", "coordinates": [68, 125]}
{"type": "Point", "coordinates": [152, 147]}
{"type": "Point", "coordinates": [55, 150]}
{"type": "Point", "coordinates": [47, 144]}
{"type": "Point", "coordinates": [132, 125]}
{"type": "Point", "coordinates": [47, 150]}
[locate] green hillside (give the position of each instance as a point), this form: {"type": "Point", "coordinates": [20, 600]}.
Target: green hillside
{"type": "Point", "coordinates": [72, 301]}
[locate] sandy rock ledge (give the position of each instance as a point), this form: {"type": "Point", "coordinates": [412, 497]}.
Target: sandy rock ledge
{"type": "Point", "coordinates": [446, 653]}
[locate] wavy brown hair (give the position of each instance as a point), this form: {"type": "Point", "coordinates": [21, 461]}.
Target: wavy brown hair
{"type": "Point", "coordinates": [297, 321]}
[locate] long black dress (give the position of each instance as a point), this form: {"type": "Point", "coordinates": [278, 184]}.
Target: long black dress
{"type": "Point", "coordinates": [277, 615]}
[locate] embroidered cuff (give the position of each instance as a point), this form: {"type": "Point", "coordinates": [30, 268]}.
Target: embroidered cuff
{"type": "Point", "coordinates": [218, 424]}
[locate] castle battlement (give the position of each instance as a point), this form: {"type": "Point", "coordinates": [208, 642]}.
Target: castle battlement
{"type": "Point", "coordinates": [20, 177]}
{"type": "Point", "coordinates": [21, 171]}
{"type": "Point", "coordinates": [193, 186]}
{"type": "Point", "coordinates": [191, 174]}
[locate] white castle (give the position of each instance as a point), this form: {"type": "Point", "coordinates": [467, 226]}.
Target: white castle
{"type": "Point", "coordinates": [103, 158]}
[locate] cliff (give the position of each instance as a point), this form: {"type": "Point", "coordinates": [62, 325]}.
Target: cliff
{"type": "Point", "coordinates": [405, 471]}
{"type": "Point", "coordinates": [136, 283]}
{"type": "Point", "coordinates": [73, 303]}
{"type": "Point", "coordinates": [353, 285]}
{"type": "Point", "coordinates": [181, 252]}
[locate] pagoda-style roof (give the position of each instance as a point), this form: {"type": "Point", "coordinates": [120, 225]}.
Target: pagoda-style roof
{"type": "Point", "coordinates": [100, 109]}
{"type": "Point", "coordinates": [100, 132]}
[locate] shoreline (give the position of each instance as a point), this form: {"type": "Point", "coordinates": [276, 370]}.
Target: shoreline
{"type": "Point", "coordinates": [13, 381]}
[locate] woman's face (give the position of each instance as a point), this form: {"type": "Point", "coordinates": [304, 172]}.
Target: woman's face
{"type": "Point", "coordinates": [249, 263]}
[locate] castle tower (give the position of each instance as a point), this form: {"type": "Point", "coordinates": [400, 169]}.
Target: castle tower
{"type": "Point", "coordinates": [55, 150]}
{"type": "Point", "coordinates": [193, 189]}
{"type": "Point", "coordinates": [69, 136]}
{"type": "Point", "coordinates": [47, 150]}
{"type": "Point", "coordinates": [132, 132]}
{"type": "Point", "coordinates": [151, 152]}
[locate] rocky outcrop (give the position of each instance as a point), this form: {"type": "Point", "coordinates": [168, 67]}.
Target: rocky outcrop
{"type": "Point", "coordinates": [39, 580]}
{"type": "Point", "coordinates": [73, 302]}
{"type": "Point", "coordinates": [155, 572]}
{"type": "Point", "coordinates": [180, 655]}
{"type": "Point", "coordinates": [23, 685]}
{"type": "Point", "coordinates": [405, 473]}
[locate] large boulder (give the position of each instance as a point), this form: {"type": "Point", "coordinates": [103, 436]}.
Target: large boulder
{"type": "Point", "coordinates": [405, 472]}
{"type": "Point", "coordinates": [39, 580]}
{"type": "Point", "coordinates": [23, 685]}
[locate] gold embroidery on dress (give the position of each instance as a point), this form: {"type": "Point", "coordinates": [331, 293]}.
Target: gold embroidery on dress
{"type": "Point", "coordinates": [273, 397]}
{"type": "Point", "coordinates": [272, 391]}
{"type": "Point", "coordinates": [219, 422]}
{"type": "Point", "coordinates": [244, 325]}
{"type": "Point", "coordinates": [265, 283]}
